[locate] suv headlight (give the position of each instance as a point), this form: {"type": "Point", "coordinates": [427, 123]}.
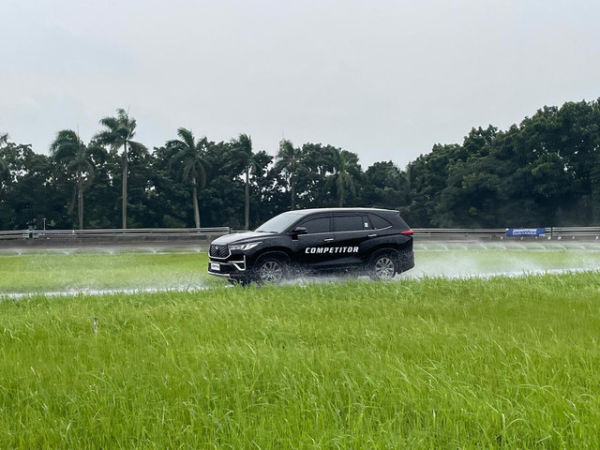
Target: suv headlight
{"type": "Point", "coordinates": [244, 247]}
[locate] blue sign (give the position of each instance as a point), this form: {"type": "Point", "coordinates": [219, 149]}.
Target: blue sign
{"type": "Point", "coordinates": [515, 232]}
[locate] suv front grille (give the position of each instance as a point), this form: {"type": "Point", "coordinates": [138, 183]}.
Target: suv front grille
{"type": "Point", "coordinates": [219, 251]}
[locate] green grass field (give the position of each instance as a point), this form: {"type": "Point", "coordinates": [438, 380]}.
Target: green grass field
{"type": "Point", "coordinates": [414, 364]}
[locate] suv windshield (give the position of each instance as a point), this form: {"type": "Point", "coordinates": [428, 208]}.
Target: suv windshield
{"type": "Point", "coordinates": [280, 223]}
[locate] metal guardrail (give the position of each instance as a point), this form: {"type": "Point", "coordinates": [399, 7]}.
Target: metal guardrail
{"type": "Point", "coordinates": [551, 233]}
{"type": "Point", "coordinates": [574, 232]}
{"type": "Point", "coordinates": [140, 234]}
{"type": "Point", "coordinates": [459, 233]}
{"type": "Point", "coordinates": [117, 234]}
{"type": "Point", "coordinates": [19, 234]}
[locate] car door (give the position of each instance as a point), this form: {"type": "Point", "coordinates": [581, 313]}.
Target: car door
{"type": "Point", "coordinates": [312, 247]}
{"type": "Point", "coordinates": [350, 230]}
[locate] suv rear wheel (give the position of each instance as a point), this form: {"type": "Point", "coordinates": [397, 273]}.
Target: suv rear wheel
{"type": "Point", "coordinates": [383, 265]}
{"type": "Point", "coordinates": [270, 269]}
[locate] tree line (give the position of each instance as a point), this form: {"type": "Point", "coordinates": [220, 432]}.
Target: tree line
{"type": "Point", "coordinates": [544, 171]}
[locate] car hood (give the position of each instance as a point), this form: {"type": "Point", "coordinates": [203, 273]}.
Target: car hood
{"type": "Point", "coordinates": [248, 236]}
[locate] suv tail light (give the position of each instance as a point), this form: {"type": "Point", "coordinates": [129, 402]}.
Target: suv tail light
{"type": "Point", "coordinates": [408, 233]}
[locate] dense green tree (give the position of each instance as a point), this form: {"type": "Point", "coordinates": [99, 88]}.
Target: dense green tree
{"type": "Point", "coordinates": [225, 189]}
{"type": "Point", "coordinates": [170, 195]}
{"type": "Point", "coordinates": [103, 198]}
{"type": "Point", "coordinates": [243, 151]}
{"type": "Point", "coordinates": [119, 133]}
{"type": "Point", "coordinates": [346, 173]}
{"type": "Point", "coordinates": [31, 192]}
{"type": "Point", "coordinates": [189, 156]}
{"type": "Point", "coordinates": [313, 184]}
{"type": "Point", "coordinates": [385, 186]}
{"type": "Point", "coordinates": [70, 151]}
{"type": "Point", "coordinates": [142, 211]}
{"type": "Point", "coordinates": [267, 199]}
{"type": "Point", "coordinates": [470, 194]}
{"type": "Point", "coordinates": [543, 171]}
{"type": "Point", "coordinates": [289, 162]}
{"type": "Point", "coordinates": [427, 177]}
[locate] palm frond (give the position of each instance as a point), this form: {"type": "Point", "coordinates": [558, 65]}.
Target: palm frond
{"type": "Point", "coordinates": [137, 146]}
{"type": "Point", "coordinates": [109, 138]}
{"type": "Point", "coordinates": [188, 172]}
{"type": "Point", "coordinates": [245, 143]}
{"type": "Point", "coordinates": [66, 146]}
{"type": "Point", "coordinates": [187, 137]}
{"type": "Point", "coordinates": [130, 127]}
{"type": "Point", "coordinates": [112, 123]}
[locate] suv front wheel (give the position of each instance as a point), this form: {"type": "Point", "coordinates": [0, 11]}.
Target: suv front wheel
{"type": "Point", "coordinates": [383, 265]}
{"type": "Point", "coordinates": [270, 269]}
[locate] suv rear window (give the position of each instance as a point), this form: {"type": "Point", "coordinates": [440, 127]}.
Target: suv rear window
{"type": "Point", "coordinates": [348, 223]}
{"type": "Point", "coordinates": [379, 222]}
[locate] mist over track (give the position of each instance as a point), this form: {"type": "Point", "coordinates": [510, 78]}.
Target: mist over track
{"type": "Point", "coordinates": [110, 271]}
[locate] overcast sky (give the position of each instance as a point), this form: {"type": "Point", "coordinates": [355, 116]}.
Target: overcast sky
{"type": "Point", "coordinates": [384, 79]}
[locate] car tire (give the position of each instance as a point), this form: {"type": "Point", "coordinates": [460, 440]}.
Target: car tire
{"type": "Point", "coordinates": [383, 265]}
{"type": "Point", "coordinates": [271, 269]}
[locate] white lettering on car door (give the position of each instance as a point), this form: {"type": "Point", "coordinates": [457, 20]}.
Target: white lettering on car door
{"type": "Point", "coordinates": [318, 250]}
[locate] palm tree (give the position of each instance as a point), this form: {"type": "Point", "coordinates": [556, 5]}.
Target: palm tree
{"type": "Point", "coordinates": [189, 155]}
{"type": "Point", "coordinates": [3, 164]}
{"type": "Point", "coordinates": [119, 132]}
{"type": "Point", "coordinates": [70, 150]}
{"type": "Point", "coordinates": [243, 153]}
{"type": "Point", "coordinates": [345, 164]}
{"type": "Point", "coordinates": [289, 162]}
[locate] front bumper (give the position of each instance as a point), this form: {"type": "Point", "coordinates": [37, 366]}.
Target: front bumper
{"type": "Point", "coordinates": [233, 268]}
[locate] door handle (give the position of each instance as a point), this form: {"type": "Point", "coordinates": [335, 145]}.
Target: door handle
{"type": "Point", "coordinates": [328, 240]}
{"type": "Point", "coordinates": [372, 235]}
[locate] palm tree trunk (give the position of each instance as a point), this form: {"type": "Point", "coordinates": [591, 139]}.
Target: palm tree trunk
{"type": "Point", "coordinates": [80, 201]}
{"type": "Point", "coordinates": [71, 205]}
{"type": "Point", "coordinates": [195, 200]}
{"type": "Point", "coordinates": [247, 202]}
{"type": "Point", "coordinates": [124, 192]}
{"type": "Point", "coordinates": [293, 191]}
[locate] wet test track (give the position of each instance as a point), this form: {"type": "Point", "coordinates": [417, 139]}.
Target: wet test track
{"type": "Point", "coordinates": [447, 260]}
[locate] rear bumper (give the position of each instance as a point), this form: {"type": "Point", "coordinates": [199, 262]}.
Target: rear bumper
{"type": "Point", "coordinates": [406, 261]}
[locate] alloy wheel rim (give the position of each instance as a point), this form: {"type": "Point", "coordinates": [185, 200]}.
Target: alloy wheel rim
{"type": "Point", "coordinates": [384, 268]}
{"type": "Point", "coordinates": [271, 272]}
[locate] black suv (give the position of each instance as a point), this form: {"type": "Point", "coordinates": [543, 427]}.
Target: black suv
{"type": "Point", "coordinates": [374, 241]}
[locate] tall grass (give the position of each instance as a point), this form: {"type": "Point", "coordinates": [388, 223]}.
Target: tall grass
{"type": "Point", "coordinates": [434, 364]}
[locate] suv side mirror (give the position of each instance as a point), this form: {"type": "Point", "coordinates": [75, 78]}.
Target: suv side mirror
{"type": "Point", "coordinates": [299, 230]}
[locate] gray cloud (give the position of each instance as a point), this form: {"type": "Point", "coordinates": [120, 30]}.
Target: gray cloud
{"type": "Point", "coordinates": [385, 79]}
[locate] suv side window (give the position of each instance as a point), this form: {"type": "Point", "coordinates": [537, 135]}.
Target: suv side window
{"type": "Point", "coordinates": [379, 222]}
{"type": "Point", "coordinates": [316, 225]}
{"type": "Point", "coordinates": [348, 223]}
